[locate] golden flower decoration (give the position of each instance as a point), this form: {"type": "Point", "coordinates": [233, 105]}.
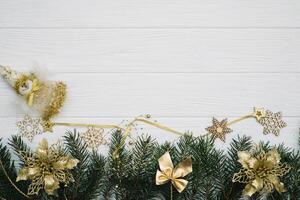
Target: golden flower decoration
{"type": "Point", "coordinates": [219, 129]}
{"type": "Point", "coordinates": [261, 173]}
{"type": "Point", "coordinates": [175, 175]}
{"type": "Point", "coordinates": [46, 168]}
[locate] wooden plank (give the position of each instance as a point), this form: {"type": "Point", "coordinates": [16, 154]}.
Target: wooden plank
{"type": "Point", "coordinates": [154, 13]}
{"type": "Point", "coordinates": [175, 95]}
{"type": "Point", "coordinates": [207, 50]}
{"type": "Point", "coordinates": [289, 135]}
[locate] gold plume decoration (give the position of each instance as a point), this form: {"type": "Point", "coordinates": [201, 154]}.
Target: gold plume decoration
{"type": "Point", "coordinates": [168, 173]}
{"type": "Point", "coordinates": [46, 168]}
{"type": "Point", "coordinates": [261, 173]}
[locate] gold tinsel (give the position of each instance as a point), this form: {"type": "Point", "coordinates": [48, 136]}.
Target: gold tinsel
{"type": "Point", "coordinates": [46, 168]}
{"type": "Point", "coordinates": [261, 173]}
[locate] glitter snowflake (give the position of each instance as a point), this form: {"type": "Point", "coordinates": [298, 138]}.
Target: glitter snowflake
{"type": "Point", "coordinates": [93, 137]}
{"type": "Point", "coordinates": [29, 127]}
{"type": "Point", "coordinates": [272, 122]}
{"type": "Point", "coordinates": [219, 129]}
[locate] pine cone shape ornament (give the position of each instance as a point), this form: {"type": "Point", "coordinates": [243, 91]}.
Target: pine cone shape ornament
{"type": "Point", "coordinates": [44, 96]}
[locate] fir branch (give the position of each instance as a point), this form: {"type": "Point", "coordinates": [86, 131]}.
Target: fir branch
{"type": "Point", "coordinates": [77, 149]}
{"type": "Point", "coordinates": [95, 176]}
{"type": "Point", "coordinates": [18, 145]}
{"type": "Point", "coordinates": [230, 166]}
{"type": "Point", "coordinates": [204, 181]}
{"type": "Point", "coordinates": [9, 189]}
{"type": "Point", "coordinates": [118, 166]}
{"type": "Point", "coordinates": [142, 168]}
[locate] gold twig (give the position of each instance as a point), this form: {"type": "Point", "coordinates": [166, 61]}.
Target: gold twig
{"type": "Point", "coordinates": [240, 119]}
{"type": "Point", "coordinates": [11, 182]}
{"type": "Point", "coordinates": [88, 125]}
{"type": "Point", "coordinates": [171, 191]}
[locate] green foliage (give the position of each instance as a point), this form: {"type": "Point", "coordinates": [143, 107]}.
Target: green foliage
{"type": "Point", "coordinates": [7, 168]}
{"type": "Point", "coordinates": [88, 173]}
{"type": "Point", "coordinates": [230, 166]}
{"type": "Point", "coordinates": [128, 171]}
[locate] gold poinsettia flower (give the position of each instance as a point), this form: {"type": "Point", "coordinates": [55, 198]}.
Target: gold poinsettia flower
{"type": "Point", "coordinates": [46, 168]}
{"type": "Point", "coordinates": [261, 173]}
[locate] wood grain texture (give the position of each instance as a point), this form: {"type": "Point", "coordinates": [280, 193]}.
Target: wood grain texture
{"type": "Point", "coordinates": [154, 13]}
{"type": "Point", "coordinates": [172, 95]}
{"type": "Point", "coordinates": [166, 51]}
{"type": "Point", "coordinates": [181, 61]}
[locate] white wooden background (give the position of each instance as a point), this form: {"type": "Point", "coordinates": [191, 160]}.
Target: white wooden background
{"type": "Point", "coordinates": [181, 61]}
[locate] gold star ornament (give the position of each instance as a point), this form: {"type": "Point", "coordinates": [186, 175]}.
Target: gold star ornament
{"type": "Point", "coordinates": [29, 127]}
{"type": "Point", "coordinates": [219, 129]}
{"type": "Point", "coordinates": [259, 113]}
{"type": "Point", "coordinates": [271, 122]}
{"type": "Point", "coordinates": [46, 168]}
{"type": "Point", "coordinates": [93, 137]}
{"type": "Point", "coordinates": [261, 173]}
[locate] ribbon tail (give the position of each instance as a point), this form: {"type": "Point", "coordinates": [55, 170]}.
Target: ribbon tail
{"type": "Point", "coordinates": [30, 99]}
{"type": "Point", "coordinates": [179, 184]}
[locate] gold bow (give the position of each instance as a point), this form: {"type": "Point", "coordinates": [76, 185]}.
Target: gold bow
{"type": "Point", "coordinates": [169, 173]}
{"type": "Point", "coordinates": [35, 87]}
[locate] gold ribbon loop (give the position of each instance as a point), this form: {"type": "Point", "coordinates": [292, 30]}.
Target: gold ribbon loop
{"type": "Point", "coordinates": [175, 175]}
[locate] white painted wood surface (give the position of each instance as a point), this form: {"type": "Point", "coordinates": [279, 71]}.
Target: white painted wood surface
{"type": "Point", "coordinates": [181, 61]}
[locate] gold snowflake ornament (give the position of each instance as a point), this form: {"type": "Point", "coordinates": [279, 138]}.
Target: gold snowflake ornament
{"type": "Point", "coordinates": [272, 122]}
{"type": "Point", "coordinates": [93, 137]}
{"type": "Point", "coordinates": [30, 127]}
{"type": "Point", "coordinates": [219, 129]}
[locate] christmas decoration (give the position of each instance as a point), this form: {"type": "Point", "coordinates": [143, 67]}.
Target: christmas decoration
{"type": "Point", "coordinates": [93, 137]}
{"type": "Point", "coordinates": [219, 129]}
{"type": "Point", "coordinates": [45, 97]}
{"type": "Point", "coordinates": [272, 122]}
{"type": "Point", "coordinates": [261, 173]}
{"type": "Point", "coordinates": [175, 175]}
{"type": "Point", "coordinates": [30, 127]}
{"type": "Point", "coordinates": [46, 168]}
{"type": "Point", "coordinates": [130, 172]}
{"type": "Point", "coordinates": [132, 175]}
